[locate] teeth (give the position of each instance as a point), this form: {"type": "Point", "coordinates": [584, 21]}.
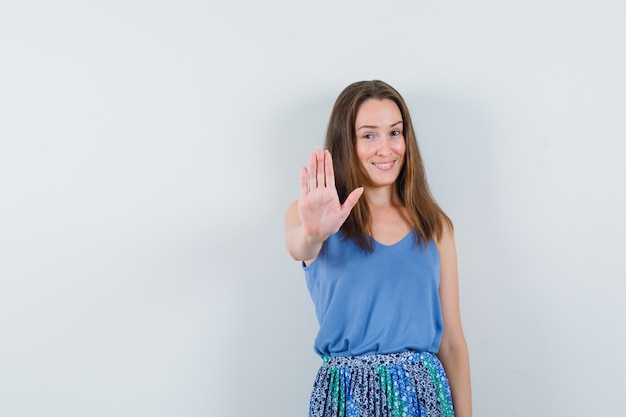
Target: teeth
{"type": "Point", "coordinates": [385, 165]}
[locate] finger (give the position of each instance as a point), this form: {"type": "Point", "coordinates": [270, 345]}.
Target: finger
{"type": "Point", "coordinates": [351, 201]}
{"type": "Point", "coordinates": [303, 182]}
{"type": "Point", "coordinates": [319, 154]}
{"type": "Point", "coordinates": [312, 171]}
{"type": "Point", "coordinates": [328, 169]}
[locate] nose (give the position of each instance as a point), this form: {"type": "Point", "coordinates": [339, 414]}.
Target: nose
{"type": "Point", "coordinates": [384, 147]}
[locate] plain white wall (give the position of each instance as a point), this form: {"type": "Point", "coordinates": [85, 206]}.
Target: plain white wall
{"type": "Point", "coordinates": [148, 151]}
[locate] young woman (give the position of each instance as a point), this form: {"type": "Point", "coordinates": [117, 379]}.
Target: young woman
{"type": "Point", "coordinates": [380, 265]}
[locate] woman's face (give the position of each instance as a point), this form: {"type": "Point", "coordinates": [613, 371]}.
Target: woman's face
{"type": "Point", "coordinates": [380, 145]}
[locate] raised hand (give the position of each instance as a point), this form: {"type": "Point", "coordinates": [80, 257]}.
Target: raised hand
{"type": "Point", "coordinates": [321, 212]}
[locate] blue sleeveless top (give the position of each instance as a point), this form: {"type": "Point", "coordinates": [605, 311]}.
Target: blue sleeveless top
{"type": "Point", "coordinates": [376, 303]}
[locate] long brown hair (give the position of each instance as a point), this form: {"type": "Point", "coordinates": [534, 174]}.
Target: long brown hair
{"type": "Point", "coordinates": [425, 216]}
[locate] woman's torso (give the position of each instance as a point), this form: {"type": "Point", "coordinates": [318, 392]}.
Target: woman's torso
{"type": "Point", "coordinates": [386, 301]}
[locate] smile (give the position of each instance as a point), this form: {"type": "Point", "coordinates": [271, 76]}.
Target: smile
{"type": "Point", "coordinates": [384, 165]}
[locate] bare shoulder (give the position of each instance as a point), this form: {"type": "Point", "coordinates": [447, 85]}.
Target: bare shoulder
{"type": "Point", "coordinates": [445, 242]}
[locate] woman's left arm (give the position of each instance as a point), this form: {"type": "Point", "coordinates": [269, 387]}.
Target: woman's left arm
{"type": "Point", "coordinates": [453, 352]}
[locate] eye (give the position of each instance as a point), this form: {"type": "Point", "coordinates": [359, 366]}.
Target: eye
{"type": "Point", "coordinates": [396, 133]}
{"type": "Point", "coordinates": [368, 136]}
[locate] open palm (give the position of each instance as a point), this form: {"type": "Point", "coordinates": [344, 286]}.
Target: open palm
{"type": "Point", "coordinates": [321, 212]}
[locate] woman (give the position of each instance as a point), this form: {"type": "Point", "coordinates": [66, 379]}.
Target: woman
{"type": "Point", "coordinates": [381, 267]}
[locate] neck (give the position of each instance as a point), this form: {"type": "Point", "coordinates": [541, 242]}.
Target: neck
{"type": "Point", "coordinates": [382, 196]}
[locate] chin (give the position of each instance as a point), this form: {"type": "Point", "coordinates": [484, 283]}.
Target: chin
{"type": "Point", "coordinates": [383, 182]}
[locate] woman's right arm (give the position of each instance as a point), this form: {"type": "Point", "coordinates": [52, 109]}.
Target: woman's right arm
{"type": "Point", "coordinates": [301, 246]}
{"type": "Point", "coordinates": [317, 213]}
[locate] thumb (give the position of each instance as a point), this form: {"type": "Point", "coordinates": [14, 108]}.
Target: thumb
{"type": "Point", "coordinates": [352, 199]}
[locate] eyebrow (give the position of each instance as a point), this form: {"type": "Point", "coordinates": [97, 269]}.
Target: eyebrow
{"type": "Point", "coordinates": [375, 127]}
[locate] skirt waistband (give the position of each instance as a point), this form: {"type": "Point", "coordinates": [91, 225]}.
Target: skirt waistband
{"type": "Point", "coordinates": [376, 360]}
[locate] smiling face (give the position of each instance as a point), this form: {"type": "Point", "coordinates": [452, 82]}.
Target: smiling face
{"type": "Point", "coordinates": [380, 145]}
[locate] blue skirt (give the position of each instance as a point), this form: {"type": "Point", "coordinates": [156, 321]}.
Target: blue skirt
{"type": "Point", "coordinates": [406, 384]}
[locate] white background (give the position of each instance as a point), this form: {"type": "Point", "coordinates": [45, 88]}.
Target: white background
{"type": "Point", "coordinates": [148, 151]}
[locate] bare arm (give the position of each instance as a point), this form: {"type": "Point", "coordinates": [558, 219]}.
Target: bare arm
{"type": "Point", "coordinates": [453, 351]}
{"type": "Point", "coordinates": [318, 212]}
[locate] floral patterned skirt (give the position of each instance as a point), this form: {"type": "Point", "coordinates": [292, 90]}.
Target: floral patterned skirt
{"type": "Point", "coordinates": [407, 384]}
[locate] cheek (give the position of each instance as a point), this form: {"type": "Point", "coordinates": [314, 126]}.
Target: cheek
{"type": "Point", "coordinates": [400, 147]}
{"type": "Point", "coordinates": [363, 151]}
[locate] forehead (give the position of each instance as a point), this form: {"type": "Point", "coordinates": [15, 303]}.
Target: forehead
{"type": "Point", "coordinates": [378, 112]}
